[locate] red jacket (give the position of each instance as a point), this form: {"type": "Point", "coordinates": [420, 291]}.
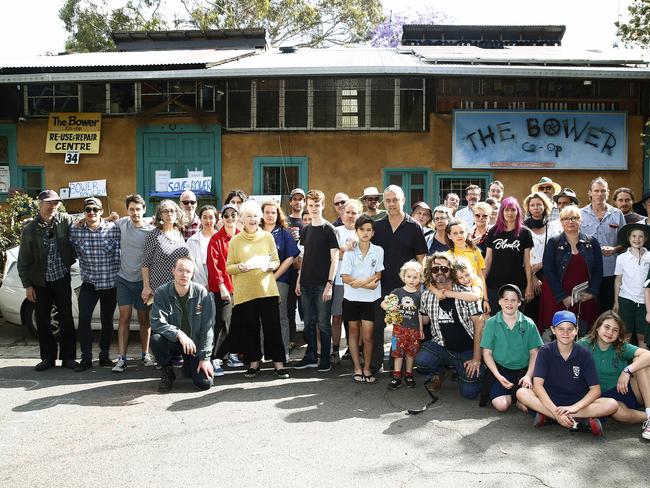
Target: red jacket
{"type": "Point", "coordinates": [216, 261]}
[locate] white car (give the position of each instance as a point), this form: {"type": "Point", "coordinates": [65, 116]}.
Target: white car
{"type": "Point", "coordinates": [16, 309]}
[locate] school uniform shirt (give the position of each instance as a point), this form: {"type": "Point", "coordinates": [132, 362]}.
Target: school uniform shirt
{"type": "Point", "coordinates": [609, 364]}
{"type": "Point", "coordinates": [605, 231]}
{"type": "Point", "coordinates": [318, 241]}
{"type": "Point", "coordinates": [473, 257]}
{"type": "Point", "coordinates": [343, 235]}
{"type": "Point", "coordinates": [357, 265]}
{"type": "Point", "coordinates": [633, 271]}
{"type": "Point", "coordinates": [399, 247]}
{"type": "Point", "coordinates": [511, 347]}
{"type": "Point", "coordinates": [566, 382]}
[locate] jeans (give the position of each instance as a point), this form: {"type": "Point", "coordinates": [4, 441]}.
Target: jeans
{"type": "Point", "coordinates": [293, 302]}
{"type": "Point", "coordinates": [88, 298]}
{"type": "Point", "coordinates": [55, 293]}
{"type": "Point", "coordinates": [317, 314]}
{"type": "Point", "coordinates": [165, 350]}
{"type": "Point", "coordinates": [283, 288]}
{"type": "Point", "coordinates": [432, 359]}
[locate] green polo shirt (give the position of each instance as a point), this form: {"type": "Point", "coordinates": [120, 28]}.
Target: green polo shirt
{"type": "Point", "coordinates": [511, 347]}
{"type": "Point", "coordinates": [609, 365]}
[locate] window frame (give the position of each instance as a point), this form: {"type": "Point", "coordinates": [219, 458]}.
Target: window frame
{"type": "Point", "coordinates": [24, 170]}
{"type": "Point", "coordinates": [438, 176]}
{"type": "Point", "coordinates": [261, 162]}
{"type": "Point", "coordinates": [426, 185]}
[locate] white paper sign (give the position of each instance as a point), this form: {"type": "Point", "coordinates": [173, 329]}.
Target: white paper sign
{"type": "Point", "coordinates": [259, 262]}
{"type": "Point", "coordinates": [195, 174]}
{"type": "Point", "coordinates": [162, 177]}
{"type": "Point", "coordinates": [83, 189]}
{"type": "Point", "coordinates": [5, 179]}
{"type": "Point", "coordinates": [194, 184]}
{"type": "Point", "coordinates": [277, 199]}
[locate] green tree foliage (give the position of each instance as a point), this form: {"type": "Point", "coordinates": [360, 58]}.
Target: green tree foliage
{"type": "Point", "coordinates": [14, 211]}
{"type": "Point", "coordinates": [90, 22]}
{"type": "Point", "coordinates": [295, 22]}
{"type": "Point", "coordinates": [637, 30]}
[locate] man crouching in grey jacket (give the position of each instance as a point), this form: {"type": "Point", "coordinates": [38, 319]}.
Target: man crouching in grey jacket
{"type": "Point", "coordinates": [181, 323]}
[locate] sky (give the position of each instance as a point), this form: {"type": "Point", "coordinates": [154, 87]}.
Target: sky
{"type": "Point", "coordinates": [32, 27]}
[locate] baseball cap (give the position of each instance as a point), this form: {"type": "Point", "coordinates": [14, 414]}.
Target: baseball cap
{"type": "Point", "coordinates": [563, 316]}
{"type": "Point", "coordinates": [297, 191]}
{"type": "Point", "coordinates": [511, 287]}
{"type": "Point", "coordinates": [231, 206]}
{"type": "Point", "coordinates": [49, 196]}
{"type": "Point", "coordinates": [93, 201]}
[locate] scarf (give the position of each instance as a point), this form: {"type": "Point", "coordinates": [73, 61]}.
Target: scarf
{"type": "Point", "coordinates": [532, 223]}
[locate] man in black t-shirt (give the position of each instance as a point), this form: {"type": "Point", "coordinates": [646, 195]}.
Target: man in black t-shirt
{"type": "Point", "coordinates": [315, 282]}
{"type": "Point", "coordinates": [456, 329]}
{"type": "Point", "coordinates": [402, 239]}
{"type": "Point", "coordinates": [296, 206]}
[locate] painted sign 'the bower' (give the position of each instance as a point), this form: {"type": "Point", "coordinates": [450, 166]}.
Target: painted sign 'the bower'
{"type": "Point", "coordinates": [561, 140]}
{"type": "Point", "coordinates": [73, 132]}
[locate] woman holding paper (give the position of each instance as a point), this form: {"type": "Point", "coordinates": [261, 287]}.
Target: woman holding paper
{"type": "Point", "coordinates": [252, 261]}
{"type": "Point", "coordinates": [571, 259]}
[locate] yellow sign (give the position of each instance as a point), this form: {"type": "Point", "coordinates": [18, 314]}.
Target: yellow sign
{"type": "Point", "coordinates": [73, 132]}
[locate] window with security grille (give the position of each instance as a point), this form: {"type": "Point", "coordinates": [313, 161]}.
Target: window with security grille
{"type": "Point", "coordinates": [279, 180]}
{"type": "Point", "coordinates": [414, 183]}
{"type": "Point", "coordinates": [41, 99]}
{"type": "Point", "coordinates": [456, 183]}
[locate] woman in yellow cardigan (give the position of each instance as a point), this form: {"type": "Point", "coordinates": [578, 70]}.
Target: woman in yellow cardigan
{"type": "Point", "coordinates": [252, 259]}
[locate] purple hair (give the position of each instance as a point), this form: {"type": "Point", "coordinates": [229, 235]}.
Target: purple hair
{"type": "Point", "coordinates": [500, 226]}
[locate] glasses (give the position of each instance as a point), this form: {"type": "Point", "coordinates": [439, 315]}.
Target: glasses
{"type": "Point", "coordinates": [371, 199]}
{"type": "Point", "coordinates": [230, 215]}
{"type": "Point", "coordinates": [574, 218]}
{"type": "Point", "coordinates": [440, 269]}
{"type": "Point", "coordinates": [481, 216]}
{"type": "Point", "coordinates": [340, 202]}
{"type": "Point", "coordinates": [94, 210]}
{"type": "Point", "coordinates": [188, 202]}
{"type": "Point", "coordinates": [168, 211]}
{"type": "Point", "coordinates": [545, 187]}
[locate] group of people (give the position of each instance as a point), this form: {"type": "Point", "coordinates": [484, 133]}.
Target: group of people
{"type": "Point", "coordinates": [469, 291]}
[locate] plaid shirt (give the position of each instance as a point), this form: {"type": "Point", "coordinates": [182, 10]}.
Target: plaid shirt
{"type": "Point", "coordinates": [192, 227]}
{"type": "Point", "coordinates": [54, 269]}
{"type": "Point", "coordinates": [98, 252]}
{"type": "Point", "coordinates": [555, 214]}
{"type": "Point", "coordinates": [429, 305]}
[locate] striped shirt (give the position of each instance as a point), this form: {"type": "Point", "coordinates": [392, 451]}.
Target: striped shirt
{"type": "Point", "coordinates": [98, 252]}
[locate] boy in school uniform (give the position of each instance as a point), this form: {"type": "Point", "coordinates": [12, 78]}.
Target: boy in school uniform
{"type": "Point", "coordinates": [566, 388]}
{"type": "Point", "coordinates": [510, 342]}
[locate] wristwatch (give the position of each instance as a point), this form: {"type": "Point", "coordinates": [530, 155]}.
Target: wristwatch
{"type": "Point", "coordinates": [331, 282]}
{"type": "Point", "coordinates": [626, 369]}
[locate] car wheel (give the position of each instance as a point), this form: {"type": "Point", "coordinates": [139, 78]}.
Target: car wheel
{"type": "Point", "coordinates": [29, 319]}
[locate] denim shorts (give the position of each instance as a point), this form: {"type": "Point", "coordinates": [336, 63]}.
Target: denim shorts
{"type": "Point", "coordinates": [129, 293]}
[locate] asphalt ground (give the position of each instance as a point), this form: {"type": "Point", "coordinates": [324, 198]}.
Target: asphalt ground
{"type": "Point", "coordinates": [98, 428]}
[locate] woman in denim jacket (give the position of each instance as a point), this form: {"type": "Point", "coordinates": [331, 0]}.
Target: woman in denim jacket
{"type": "Point", "coordinates": [570, 259]}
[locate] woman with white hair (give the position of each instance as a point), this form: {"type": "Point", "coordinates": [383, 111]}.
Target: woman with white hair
{"type": "Point", "coordinates": [252, 261]}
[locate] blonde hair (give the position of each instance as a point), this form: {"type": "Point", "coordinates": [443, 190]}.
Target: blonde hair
{"type": "Point", "coordinates": [410, 266]}
{"type": "Point", "coordinates": [540, 196]}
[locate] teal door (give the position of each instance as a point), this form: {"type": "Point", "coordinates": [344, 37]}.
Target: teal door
{"type": "Point", "coordinates": [179, 153]}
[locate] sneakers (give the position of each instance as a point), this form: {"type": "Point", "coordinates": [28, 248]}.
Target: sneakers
{"type": "Point", "coordinates": [84, 365]}
{"type": "Point", "coordinates": [43, 365]}
{"type": "Point", "coordinates": [591, 424]}
{"type": "Point", "coordinates": [281, 373]}
{"type": "Point", "coordinates": [324, 367]}
{"type": "Point", "coordinates": [167, 378]}
{"type": "Point", "coordinates": [251, 372]}
{"type": "Point", "coordinates": [409, 381]}
{"type": "Point", "coordinates": [335, 359]}
{"type": "Point", "coordinates": [395, 383]}
{"type": "Point", "coordinates": [305, 363]}
{"type": "Point", "coordinates": [148, 360]}
{"type": "Point", "coordinates": [216, 366]}
{"type": "Point", "coordinates": [646, 430]}
{"type": "Point", "coordinates": [234, 362]}
{"type": "Point", "coordinates": [540, 420]}
{"type": "Point", "coordinates": [120, 365]}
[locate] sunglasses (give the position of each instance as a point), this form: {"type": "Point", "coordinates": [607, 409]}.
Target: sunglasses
{"type": "Point", "coordinates": [341, 202]}
{"type": "Point", "coordinates": [94, 210]}
{"type": "Point", "coordinates": [371, 199]}
{"type": "Point", "coordinates": [188, 202]}
{"type": "Point", "coordinates": [574, 218]}
{"type": "Point", "coordinates": [440, 269]}
{"type": "Point", "coordinates": [230, 215]}
{"type": "Point", "coordinates": [545, 187]}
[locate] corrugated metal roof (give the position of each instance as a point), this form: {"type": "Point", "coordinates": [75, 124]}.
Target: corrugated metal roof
{"type": "Point", "coordinates": [530, 55]}
{"type": "Point", "coordinates": [208, 57]}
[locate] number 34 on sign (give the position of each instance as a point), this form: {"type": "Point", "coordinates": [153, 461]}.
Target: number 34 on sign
{"type": "Point", "coordinates": [71, 158]}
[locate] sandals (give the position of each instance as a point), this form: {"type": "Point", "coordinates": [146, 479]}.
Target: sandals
{"type": "Point", "coordinates": [251, 372]}
{"type": "Point", "coordinates": [359, 378]}
{"type": "Point", "coordinates": [369, 378]}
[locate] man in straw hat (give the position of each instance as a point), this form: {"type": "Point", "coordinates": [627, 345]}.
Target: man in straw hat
{"type": "Point", "coordinates": [371, 198]}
